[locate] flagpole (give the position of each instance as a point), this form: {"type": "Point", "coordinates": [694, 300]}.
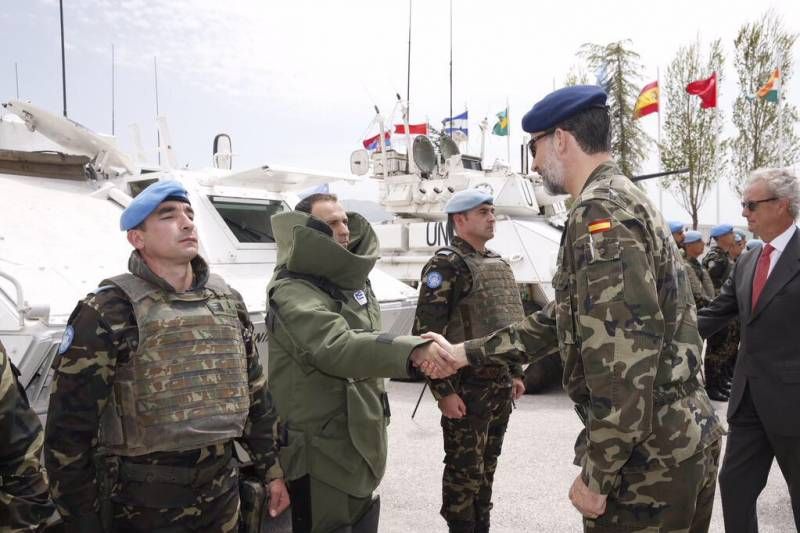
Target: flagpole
{"type": "Point", "coordinates": [781, 160]}
{"type": "Point", "coordinates": [660, 165]}
{"type": "Point", "coordinates": [451, 65]}
{"type": "Point", "coordinates": [508, 136]}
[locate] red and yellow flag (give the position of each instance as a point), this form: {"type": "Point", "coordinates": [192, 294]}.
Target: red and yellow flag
{"type": "Point", "coordinates": [647, 102]}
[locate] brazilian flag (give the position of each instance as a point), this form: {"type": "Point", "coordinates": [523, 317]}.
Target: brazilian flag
{"type": "Point", "coordinates": [501, 127]}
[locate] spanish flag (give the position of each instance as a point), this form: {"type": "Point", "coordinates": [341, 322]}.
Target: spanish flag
{"type": "Point", "coordinates": [647, 102]}
{"type": "Point", "coordinates": [770, 90]}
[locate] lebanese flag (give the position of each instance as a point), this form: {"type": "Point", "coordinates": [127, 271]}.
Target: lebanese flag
{"type": "Point", "coordinates": [413, 129]}
{"type": "Point", "coordinates": [647, 102]}
{"type": "Point", "coordinates": [706, 90]}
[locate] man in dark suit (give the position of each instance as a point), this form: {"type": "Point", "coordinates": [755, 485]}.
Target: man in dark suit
{"type": "Point", "coordinates": [763, 291]}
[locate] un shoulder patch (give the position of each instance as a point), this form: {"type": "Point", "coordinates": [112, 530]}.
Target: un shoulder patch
{"type": "Point", "coordinates": [433, 280]}
{"type": "Point", "coordinates": [66, 340]}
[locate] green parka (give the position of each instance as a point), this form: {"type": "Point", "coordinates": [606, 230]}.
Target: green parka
{"type": "Point", "coordinates": [327, 357]}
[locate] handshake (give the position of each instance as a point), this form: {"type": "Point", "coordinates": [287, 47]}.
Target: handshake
{"type": "Point", "coordinates": [439, 358]}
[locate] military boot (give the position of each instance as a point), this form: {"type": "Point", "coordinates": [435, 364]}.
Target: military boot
{"type": "Point", "coordinates": [717, 394]}
{"type": "Point", "coordinates": [457, 526]}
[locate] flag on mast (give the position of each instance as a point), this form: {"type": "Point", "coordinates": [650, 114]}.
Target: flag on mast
{"type": "Point", "coordinates": [647, 102]}
{"type": "Point", "coordinates": [706, 89]}
{"type": "Point", "coordinates": [501, 126]}
{"type": "Point", "coordinates": [456, 123]}
{"type": "Point", "coordinates": [771, 90]}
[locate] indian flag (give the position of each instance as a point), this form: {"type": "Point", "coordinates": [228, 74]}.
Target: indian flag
{"type": "Point", "coordinates": [771, 90]}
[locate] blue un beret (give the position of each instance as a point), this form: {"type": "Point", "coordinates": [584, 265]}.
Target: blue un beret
{"type": "Point", "coordinates": [722, 229]}
{"type": "Point", "coordinates": [675, 226]}
{"type": "Point", "coordinates": [754, 243]}
{"type": "Point", "coordinates": [150, 198]}
{"type": "Point", "coordinates": [560, 105]}
{"type": "Point", "coordinates": [692, 236]}
{"type": "Point", "coordinates": [466, 200]}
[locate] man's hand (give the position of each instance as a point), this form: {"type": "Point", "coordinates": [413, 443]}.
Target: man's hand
{"type": "Point", "coordinates": [590, 504]}
{"type": "Point", "coordinates": [457, 352]}
{"type": "Point", "coordinates": [278, 497]}
{"type": "Point", "coordinates": [517, 388]}
{"type": "Point", "coordinates": [452, 406]}
{"type": "Point", "coordinates": [434, 360]}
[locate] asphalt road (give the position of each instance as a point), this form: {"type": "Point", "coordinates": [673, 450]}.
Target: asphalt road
{"type": "Point", "coordinates": [533, 475]}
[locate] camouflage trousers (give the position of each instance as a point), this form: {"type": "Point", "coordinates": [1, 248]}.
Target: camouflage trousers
{"type": "Point", "coordinates": [472, 445]}
{"type": "Point", "coordinates": [677, 499]}
{"type": "Point", "coordinates": [168, 508]}
{"type": "Point", "coordinates": [721, 351]}
{"type": "Point", "coordinates": [25, 503]}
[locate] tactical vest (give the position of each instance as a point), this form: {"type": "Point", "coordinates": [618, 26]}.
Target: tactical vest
{"type": "Point", "coordinates": [185, 385]}
{"type": "Point", "coordinates": [492, 303]}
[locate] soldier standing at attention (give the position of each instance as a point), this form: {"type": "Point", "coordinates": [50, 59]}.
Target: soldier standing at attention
{"type": "Point", "coordinates": [24, 501]}
{"type": "Point", "coordinates": [718, 260]}
{"type": "Point", "coordinates": [625, 322]}
{"type": "Point", "coordinates": [700, 281]}
{"type": "Point", "coordinates": [722, 345]}
{"type": "Point", "coordinates": [327, 361]}
{"type": "Point", "coordinates": [677, 229]}
{"type": "Point", "coordinates": [468, 291]}
{"type": "Point", "coordinates": [157, 374]}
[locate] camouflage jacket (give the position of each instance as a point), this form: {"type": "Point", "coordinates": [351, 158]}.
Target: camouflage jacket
{"type": "Point", "coordinates": [437, 300]}
{"type": "Point", "coordinates": [24, 501]}
{"type": "Point", "coordinates": [101, 332]}
{"type": "Point", "coordinates": [700, 281]}
{"type": "Point", "coordinates": [719, 265]}
{"type": "Point", "coordinates": [625, 322]}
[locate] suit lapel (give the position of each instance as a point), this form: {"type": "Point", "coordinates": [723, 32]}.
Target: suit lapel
{"type": "Point", "coordinates": [786, 268]}
{"type": "Point", "coordinates": [745, 288]}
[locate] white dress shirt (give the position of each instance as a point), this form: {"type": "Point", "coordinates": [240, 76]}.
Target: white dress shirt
{"type": "Point", "coordinates": [779, 243]}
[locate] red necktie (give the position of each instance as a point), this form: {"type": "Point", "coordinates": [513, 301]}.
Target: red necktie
{"type": "Point", "coordinates": [762, 271]}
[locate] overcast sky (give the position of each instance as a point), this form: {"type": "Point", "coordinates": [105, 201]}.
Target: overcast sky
{"type": "Point", "coordinates": [294, 82]}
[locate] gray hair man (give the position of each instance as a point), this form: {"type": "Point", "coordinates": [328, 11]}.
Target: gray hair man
{"type": "Point", "coordinates": [763, 292]}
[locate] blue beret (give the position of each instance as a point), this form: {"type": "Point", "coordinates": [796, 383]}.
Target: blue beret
{"type": "Point", "coordinates": [675, 226]}
{"type": "Point", "coordinates": [150, 198]}
{"type": "Point", "coordinates": [560, 105]}
{"type": "Point", "coordinates": [722, 229]}
{"type": "Point", "coordinates": [692, 236]}
{"type": "Point", "coordinates": [466, 200]}
{"type": "Point", "coordinates": [754, 243]}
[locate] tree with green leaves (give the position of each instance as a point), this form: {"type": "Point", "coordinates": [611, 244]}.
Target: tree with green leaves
{"type": "Point", "coordinates": [618, 70]}
{"type": "Point", "coordinates": [577, 75]}
{"type": "Point", "coordinates": [759, 47]}
{"type": "Point", "coordinates": [692, 136]}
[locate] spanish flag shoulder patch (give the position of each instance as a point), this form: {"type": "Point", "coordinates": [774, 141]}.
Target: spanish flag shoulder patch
{"type": "Point", "coordinates": [599, 226]}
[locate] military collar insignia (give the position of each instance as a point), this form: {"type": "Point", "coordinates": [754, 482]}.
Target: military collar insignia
{"type": "Point", "coordinates": [360, 297]}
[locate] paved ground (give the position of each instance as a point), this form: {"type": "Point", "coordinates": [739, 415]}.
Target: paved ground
{"type": "Point", "coordinates": [533, 476]}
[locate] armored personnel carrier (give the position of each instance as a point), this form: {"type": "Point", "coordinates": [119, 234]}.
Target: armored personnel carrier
{"type": "Point", "coordinates": [416, 186]}
{"type": "Point", "coordinates": [62, 188]}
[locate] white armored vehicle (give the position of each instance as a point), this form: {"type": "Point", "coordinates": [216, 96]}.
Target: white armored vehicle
{"type": "Point", "coordinates": [415, 189]}
{"type": "Point", "coordinates": [62, 188]}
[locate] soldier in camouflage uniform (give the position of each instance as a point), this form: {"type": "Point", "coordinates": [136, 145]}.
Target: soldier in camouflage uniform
{"type": "Point", "coordinates": [468, 291]}
{"type": "Point", "coordinates": [157, 375]}
{"type": "Point", "coordinates": [722, 346]}
{"type": "Point", "coordinates": [24, 502]}
{"type": "Point", "coordinates": [699, 280]}
{"type": "Point", "coordinates": [625, 323]}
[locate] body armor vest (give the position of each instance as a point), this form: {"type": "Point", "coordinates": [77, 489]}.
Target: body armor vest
{"type": "Point", "coordinates": [492, 303]}
{"type": "Point", "coordinates": [185, 385]}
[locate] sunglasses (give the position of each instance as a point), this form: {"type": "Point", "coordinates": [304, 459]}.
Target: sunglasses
{"type": "Point", "coordinates": [753, 204]}
{"type": "Point", "coordinates": [532, 142]}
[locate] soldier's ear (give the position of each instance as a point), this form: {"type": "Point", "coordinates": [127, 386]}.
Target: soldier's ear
{"type": "Point", "coordinates": [136, 238]}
